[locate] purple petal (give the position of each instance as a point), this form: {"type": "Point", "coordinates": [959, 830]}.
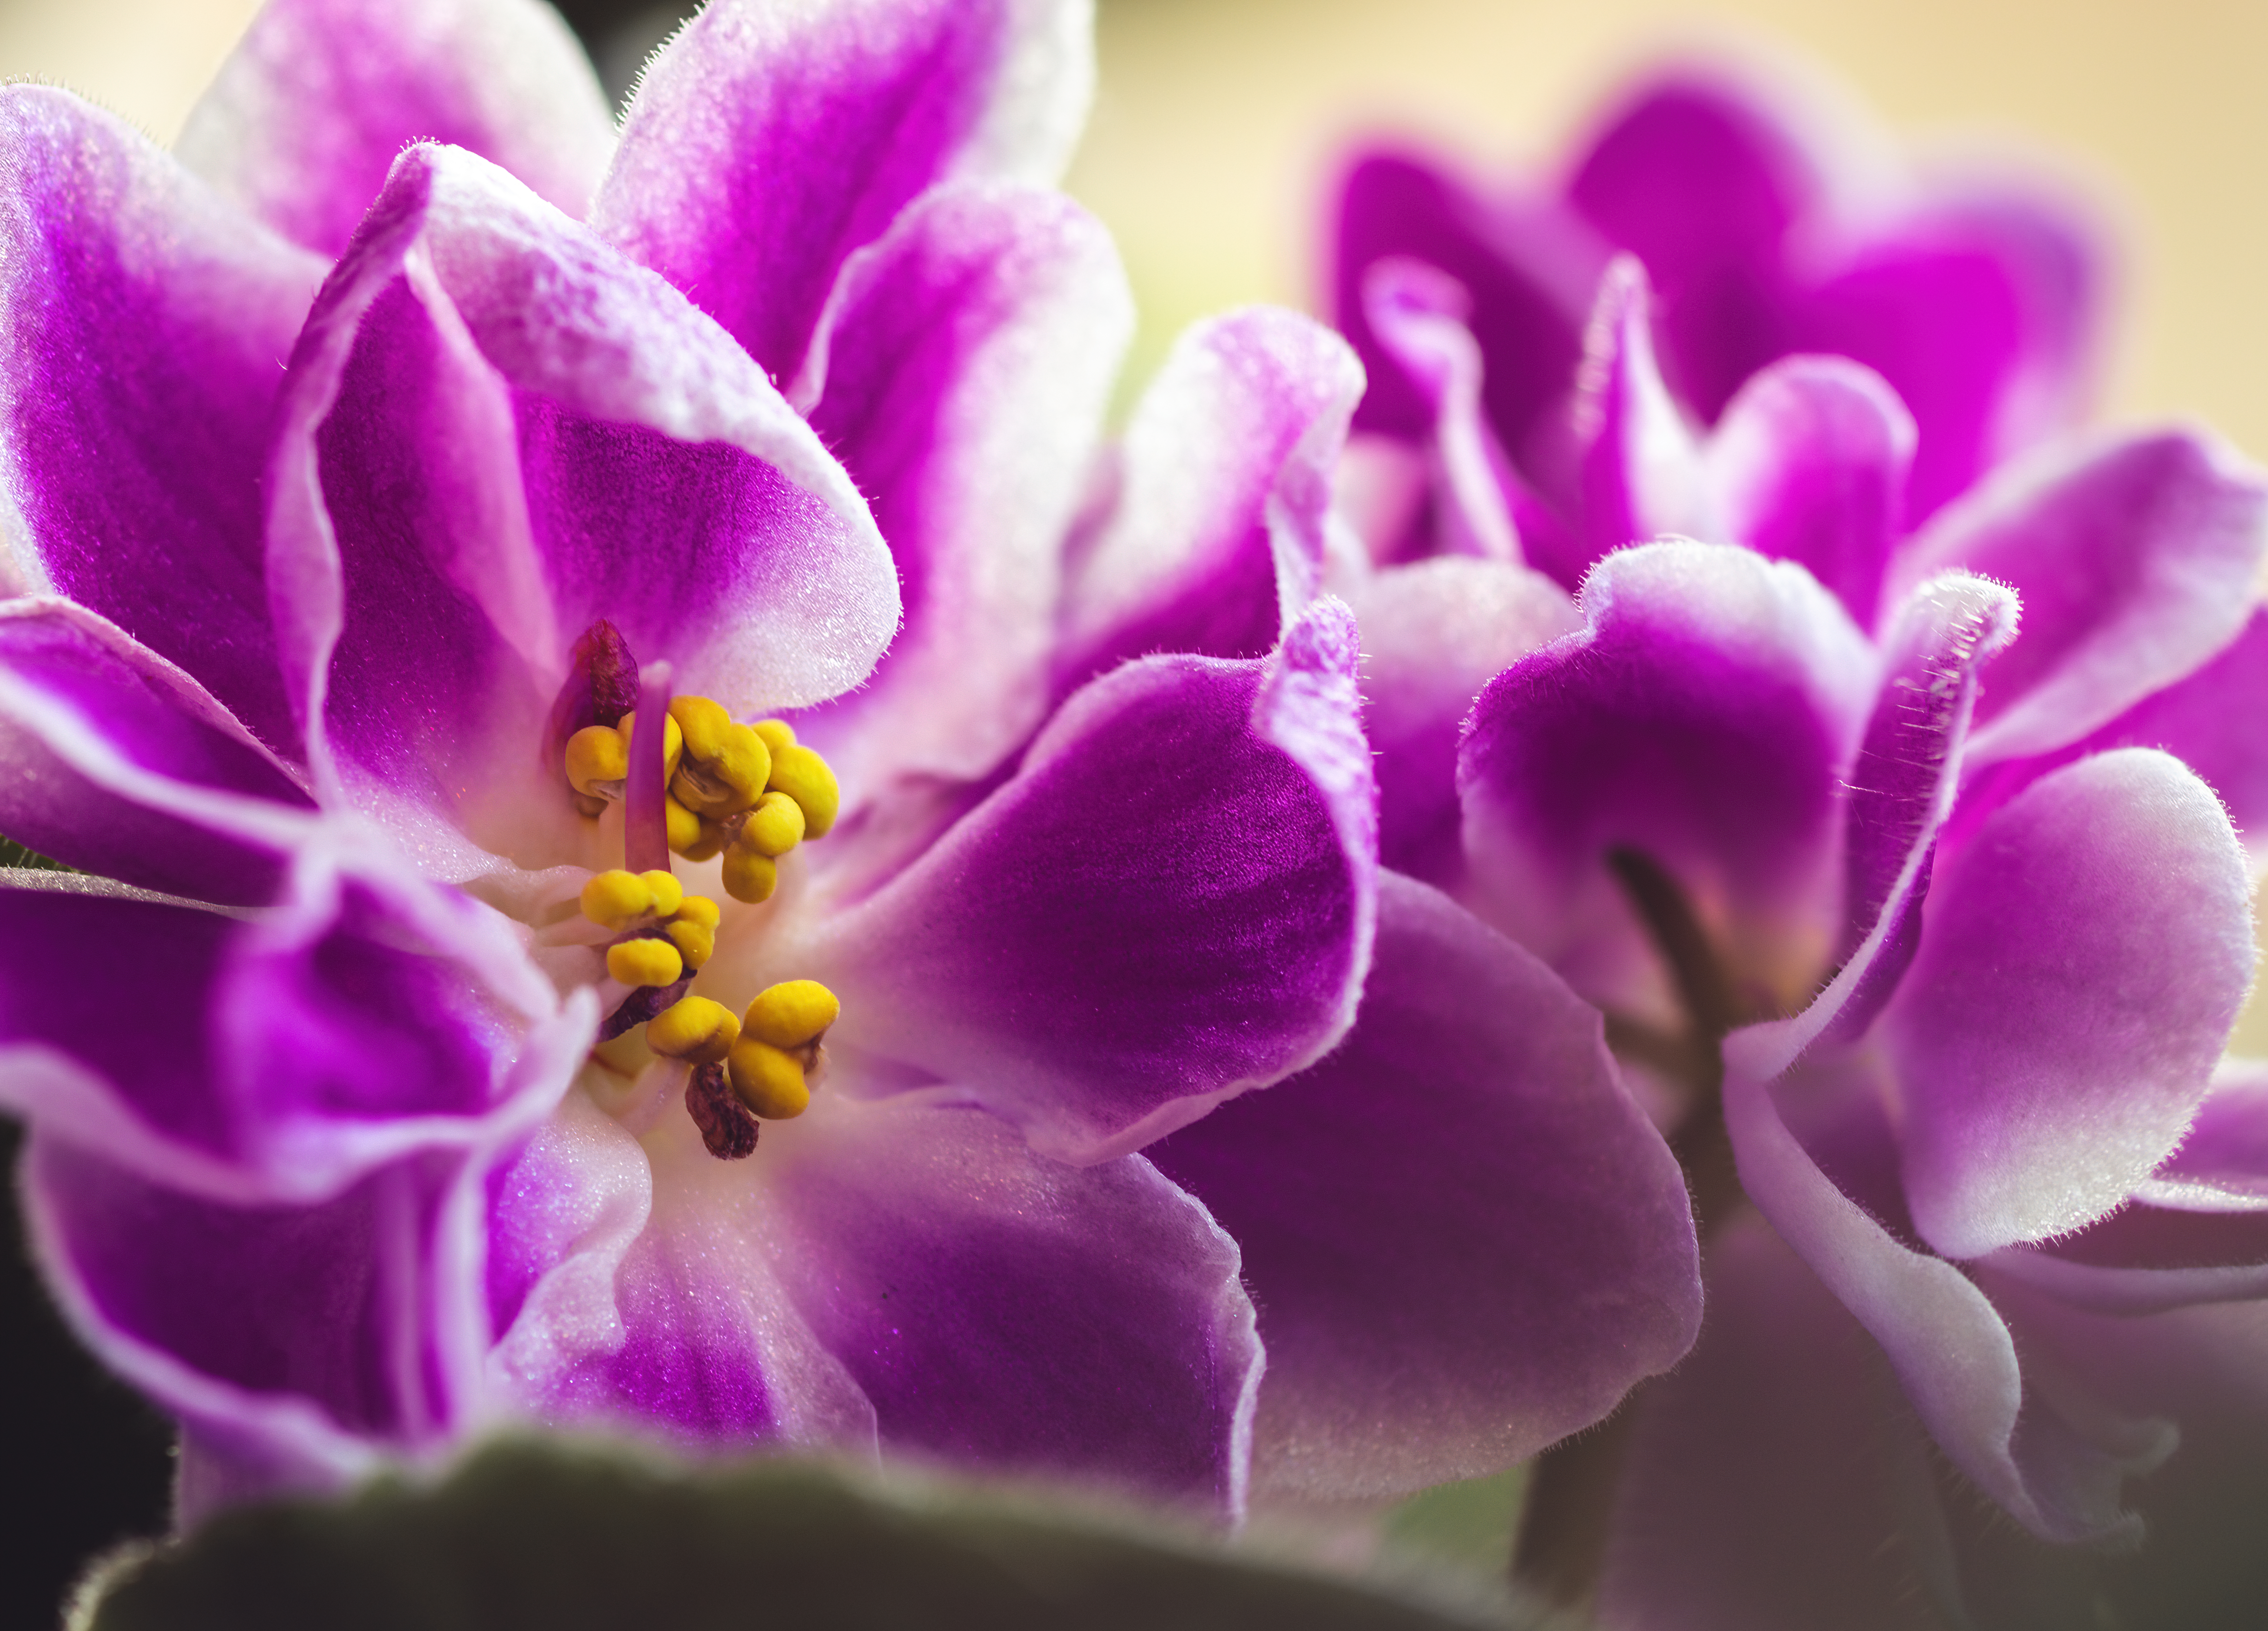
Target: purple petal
{"type": "Point", "coordinates": [1173, 901]}
{"type": "Point", "coordinates": [367, 1019]}
{"type": "Point", "coordinates": [143, 323]}
{"type": "Point", "coordinates": [2134, 556]}
{"type": "Point", "coordinates": [307, 114]}
{"type": "Point", "coordinates": [1951, 1349]}
{"type": "Point", "coordinates": [1529, 274]}
{"type": "Point", "coordinates": [2081, 962]}
{"type": "Point", "coordinates": [1216, 541]}
{"type": "Point", "coordinates": [316, 1331]}
{"type": "Point", "coordinates": [967, 364]}
{"type": "Point", "coordinates": [1774, 1481]}
{"type": "Point", "coordinates": [498, 432]}
{"type": "Point", "coordinates": [1004, 1310]}
{"type": "Point", "coordinates": [1810, 464]}
{"type": "Point", "coordinates": [118, 763]}
{"type": "Point", "coordinates": [1473, 1103]}
{"type": "Point", "coordinates": [1704, 716]}
{"type": "Point", "coordinates": [768, 142]}
{"type": "Point", "coordinates": [1434, 633]}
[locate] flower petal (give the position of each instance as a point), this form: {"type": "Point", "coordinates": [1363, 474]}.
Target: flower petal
{"type": "Point", "coordinates": [1704, 716]}
{"type": "Point", "coordinates": [1810, 464]}
{"type": "Point", "coordinates": [1171, 902]}
{"type": "Point", "coordinates": [1529, 274]}
{"type": "Point", "coordinates": [496, 433]}
{"type": "Point", "coordinates": [2135, 558]}
{"type": "Point", "coordinates": [1473, 1103]}
{"type": "Point", "coordinates": [1433, 634]}
{"type": "Point", "coordinates": [113, 761]}
{"type": "Point", "coordinates": [1216, 541]}
{"type": "Point", "coordinates": [1003, 1309]}
{"type": "Point", "coordinates": [142, 322]}
{"type": "Point", "coordinates": [967, 360]}
{"type": "Point", "coordinates": [2081, 962]}
{"type": "Point", "coordinates": [769, 141]}
{"type": "Point", "coordinates": [304, 118]}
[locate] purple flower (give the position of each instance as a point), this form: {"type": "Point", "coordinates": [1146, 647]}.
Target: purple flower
{"type": "Point", "coordinates": [333, 569]}
{"type": "Point", "coordinates": [1770, 234]}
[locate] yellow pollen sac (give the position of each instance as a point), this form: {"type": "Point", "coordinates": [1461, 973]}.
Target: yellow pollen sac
{"type": "Point", "coordinates": [778, 734]}
{"type": "Point", "coordinates": [644, 962]}
{"type": "Point", "coordinates": [616, 899]}
{"type": "Point", "coordinates": [709, 842]}
{"type": "Point", "coordinates": [767, 1080]}
{"type": "Point", "coordinates": [773, 827]}
{"type": "Point", "coordinates": [749, 876]}
{"type": "Point", "coordinates": [793, 1014]}
{"type": "Point", "coordinates": [805, 776]}
{"type": "Point", "coordinates": [696, 942]}
{"type": "Point", "coordinates": [701, 910]}
{"type": "Point", "coordinates": [668, 893]}
{"type": "Point", "coordinates": [684, 825]}
{"type": "Point", "coordinates": [597, 766]}
{"type": "Point", "coordinates": [726, 763]}
{"type": "Point", "coordinates": [694, 1029]}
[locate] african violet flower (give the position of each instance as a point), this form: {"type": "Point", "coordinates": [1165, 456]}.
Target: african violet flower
{"type": "Point", "coordinates": [513, 485]}
{"type": "Point", "coordinates": [1772, 228]}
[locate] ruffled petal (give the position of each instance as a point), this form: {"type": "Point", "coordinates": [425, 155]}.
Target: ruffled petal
{"type": "Point", "coordinates": [1473, 1103]}
{"type": "Point", "coordinates": [142, 325]}
{"type": "Point", "coordinates": [2057, 1470]}
{"type": "Point", "coordinates": [769, 141]}
{"type": "Point", "coordinates": [1005, 1310]}
{"type": "Point", "coordinates": [1529, 274]}
{"type": "Point", "coordinates": [1704, 716]}
{"type": "Point", "coordinates": [1433, 634]}
{"type": "Point", "coordinates": [1216, 541]}
{"type": "Point", "coordinates": [1171, 902]}
{"type": "Point", "coordinates": [1774, 1481]}
{"type": "Point", "coordinates": [967, 360]}
{"type": "Point", "coordinates": [2081, 962]}
{"type": "Point", "coordinates": [1810, 464]}
{"type": "Point", "coordinates": [306, 115]}
{"type": "Point", "coordinates": [113, 761]}
{"type": "Point", "coordinates": [2135, 558]}
{"type": "Point", "coordinates": [496, 433]}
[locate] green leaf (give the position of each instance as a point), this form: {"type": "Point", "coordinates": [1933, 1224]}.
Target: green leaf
{"type": "Point", "coordinates": [567, 1536]}
{"type": "Point", "coordinates": [14, 854]}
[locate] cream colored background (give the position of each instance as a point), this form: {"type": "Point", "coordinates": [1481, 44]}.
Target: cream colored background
{"type": "Point", "coordinates": [1217, 120]}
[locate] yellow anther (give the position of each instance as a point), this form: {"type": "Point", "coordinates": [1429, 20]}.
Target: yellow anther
{"type": "Point", "coordinates": [773, 827]}
{"type": "Point", "coordinates": [699, 909]}
{"type": "Point", "coordinates": [696, 942]}
{"type": "Point", "coordinates": [684, 826]}
{"type": "Point", "coordinates": [673, 741]}
{"type": "Point", "coordinates": [793, 1014]}
{"type": "Point", "coordinates": [725, 765]}
{"type": "Point", "coordinates": [597, 762]}
{"type": "Point", "coordinates": [644, 962]}
{"type": "Point", "coordinates": [668, 893]}
{"type": "Point", "coordinates": [749, 876]}
{"type": "Point", "coordinates": [694, 1028]}
{"type": "Point", "coordinates": [616, 899]}
{"type": "Point", "coordinates": [778, 734]}
{"type": "Point", "coordinates": [805, 776]}
{"type": "Point", "coordinates": [711, 840]}
{"type": "Point", "coordinates": [768, 1082]}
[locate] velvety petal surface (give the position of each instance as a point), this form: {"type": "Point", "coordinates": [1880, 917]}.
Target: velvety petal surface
{"type": "Point", "coordinates": [142, 325]}
{"type": "Point", "coordinates": [1808, 463]}
{"type": "Point", "coordinates": [1465, 1239]}
{"type": "Point", "coordinates": [1216, 541]}
{"type": "Point", "coordinates": [2081, 962]}
{"type": "Point", "coordinates": [967, 363]}
{"type": "Point", "coordinates": [1433, 634]}
{"type": "Point", "coordinates": [1006, 1310]}
{"type": "Point", "coordinates": [118, 763]}
{"type": "Point", "coordinates": [771, 140]}
{"type": "Point", "coordinates": [497, 431]}
{"type": "Point", "coordinates": [2135, 557]}
{"type": "Point", "coordinates": [304, 118]}
{"type": "Point", "coordinates": [1171, 902]}
{"type": "Point", "coordinates": [1704, 717]}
